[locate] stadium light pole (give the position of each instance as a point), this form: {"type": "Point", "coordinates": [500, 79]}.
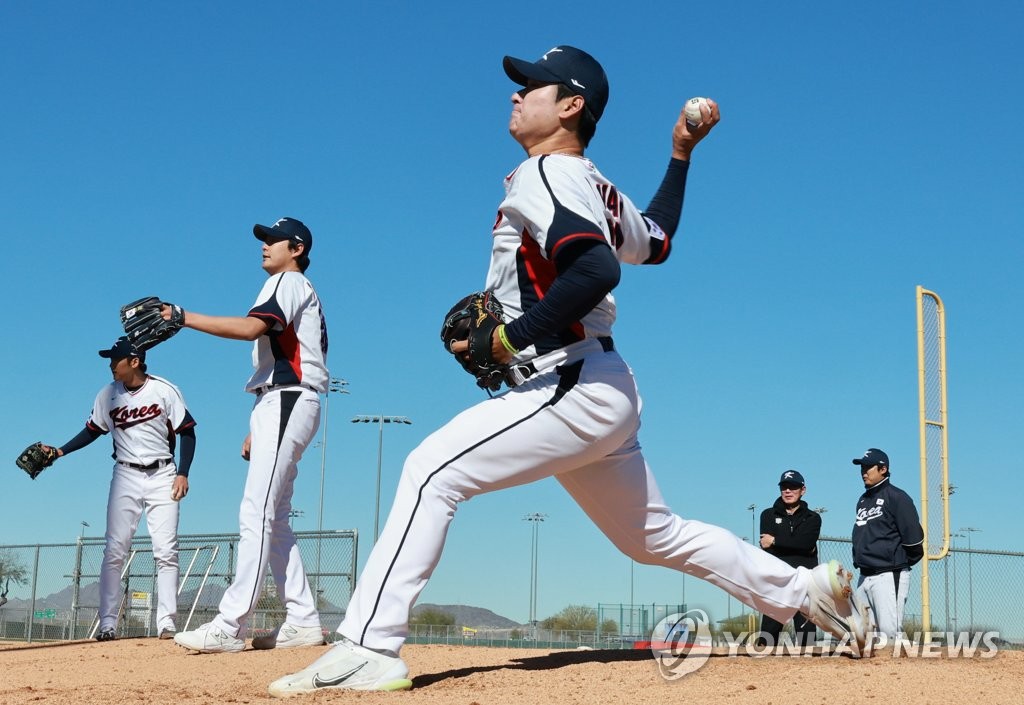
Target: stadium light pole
{"type": "Point", "coordinates": [536, 518]}
{"type": "Point", "coordinates": [970, 570]}
{"type": "Point", "coordinates": [380, 420]}
{"type": "Point", "coordinates": [753, 532]}
{"type": "Point", "coordinates": [335, 385]}
{"type": "Point", "coordinates": [819, 511]}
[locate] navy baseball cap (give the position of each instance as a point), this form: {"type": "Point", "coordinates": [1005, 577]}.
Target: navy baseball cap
{"type": "Point", "coordinates": [121, 349]}
{"type": "Point", "coordinates": [871, 457]}
{"type": "Point", "coordinates": [572, 67]}
{"type": "Point", "coordinates": [285, 229]}
{"type": "Point", "coordinates": [791, 477]}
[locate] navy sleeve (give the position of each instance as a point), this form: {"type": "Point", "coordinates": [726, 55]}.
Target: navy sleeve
{"type": "Point", "coordinates": [911, 533]}
{"type": "Point", "coordinates": [667, 205]}
{"type": "Point", "coordinates": [914, 553]}
{"type": "Point", "coordinates": [188, 450]}
{"type": "Point", "coordinates": [587, 271]}
{"type": "Point", "coordinates": [86, 436]}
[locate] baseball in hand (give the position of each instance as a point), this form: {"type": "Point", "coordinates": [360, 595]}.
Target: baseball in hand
{"type": "Point", "coordinates": [692, 111]}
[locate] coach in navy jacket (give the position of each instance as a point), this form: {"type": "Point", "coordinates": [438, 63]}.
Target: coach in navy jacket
{"type": "Point", "coordinates": [887, 541]}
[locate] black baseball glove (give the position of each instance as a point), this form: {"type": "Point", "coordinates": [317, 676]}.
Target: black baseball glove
{"type": "Point", "coordinates": [145, 327]}
{"type": "Point", "coordinates": [474, 319]}
{"type": "Point", "coordinates": [36, 458]}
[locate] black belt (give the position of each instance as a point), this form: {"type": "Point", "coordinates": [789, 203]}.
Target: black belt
{"type": "Point", "coordinates": [528, 369]}
{"type": "Point", "coordinates": [152, 466]}
{"type": "Point", "coordinates": [271, 387]}
{"type": "Point", "coordinates": [868, 572]}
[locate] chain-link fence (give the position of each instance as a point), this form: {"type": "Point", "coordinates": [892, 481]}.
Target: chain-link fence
{"type": "Point", "coordinates": [971, 590]}
{"type": "Point", "coordinates": [51, 591]}
{"type": "Point", "coordinates": [526, 636]}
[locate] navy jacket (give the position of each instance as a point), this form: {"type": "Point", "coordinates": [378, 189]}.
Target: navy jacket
{"type": "Point", "coordinates": [887, 534]}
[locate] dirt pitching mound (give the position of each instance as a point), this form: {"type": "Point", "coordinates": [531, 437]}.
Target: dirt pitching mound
{"type": "Point", "coordinates": [150, 671]}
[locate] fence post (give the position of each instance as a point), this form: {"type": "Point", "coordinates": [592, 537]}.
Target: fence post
{"type": "Point", "coordinates": [76, 586]}
{"type": "Point", "coordinates": [30, 622]}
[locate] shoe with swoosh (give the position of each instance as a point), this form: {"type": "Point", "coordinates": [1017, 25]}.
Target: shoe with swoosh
{"type": "Point", "coordinates": [346, 666]}
{"type": "Point", "coordinates": [209, 639]}
{"type": "Point", "coordinates": [835, 608]}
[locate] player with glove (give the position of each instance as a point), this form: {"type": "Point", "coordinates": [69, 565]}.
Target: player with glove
{"type": "Point", "coordinates": [573, 411]}
{"type": "Point", "coordinates": [142, 413]}
{"type": "Point", "coordinates": [289, 334]}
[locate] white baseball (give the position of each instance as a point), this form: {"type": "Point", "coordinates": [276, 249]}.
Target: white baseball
{"type": "Point", "coordinates": [692, 111]}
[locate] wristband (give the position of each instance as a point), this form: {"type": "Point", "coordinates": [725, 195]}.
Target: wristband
{"type": "Point", "coordinates": [504, 340]}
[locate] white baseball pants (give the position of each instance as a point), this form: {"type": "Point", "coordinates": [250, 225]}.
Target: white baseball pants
{"type": "Point", "coordinates": [886, 594]}
{"type": "Point", "coordinates": [579, 423]}
{"type": "Point", "coordinates": [282, 424]}
{"type": "Point", "coordinates": [132, 492]}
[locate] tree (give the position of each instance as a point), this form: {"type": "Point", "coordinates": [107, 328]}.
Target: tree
{"type": "Point", "coordinates": [578, 618]}
{"type": "Point", "coordinates": [432, 617]}
{"type": "Point", "coordinates": [11, 569]}
{"type": "Point", "coordinates": [609, 626]}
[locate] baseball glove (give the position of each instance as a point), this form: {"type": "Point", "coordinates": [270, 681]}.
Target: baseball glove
{"type": "Point", "coordinates": [36, 458]}
{"type": "Point", "coordinates": [145, 327]}
{"type": "Point", "coordinates": [474, 319]}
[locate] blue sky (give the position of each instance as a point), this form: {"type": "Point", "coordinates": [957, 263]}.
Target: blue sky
{"type": "Point", "coordinates": [863, 150]}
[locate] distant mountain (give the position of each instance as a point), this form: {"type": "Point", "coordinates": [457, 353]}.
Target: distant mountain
{"type": "Point", "coordinates": [88, 594]}
{"type": "Point", "coordinates": [466, 616]}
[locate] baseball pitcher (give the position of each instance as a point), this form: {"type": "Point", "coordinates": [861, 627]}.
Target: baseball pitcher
{"type": "Point", "coordinates": [573, 410]}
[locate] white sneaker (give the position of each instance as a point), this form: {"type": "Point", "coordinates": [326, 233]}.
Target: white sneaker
{"type": "Point", "coordinates": [834, 608]}
{"type": "Point", "coordinates": [286, 637]}
{"type": "Point", "coordinates": [346, 666]}
{"type": "Point", "coordinates": [208, 639]}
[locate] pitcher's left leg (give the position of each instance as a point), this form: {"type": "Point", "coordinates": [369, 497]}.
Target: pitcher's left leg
{"type": "Point", "coordinates": [620, 495]}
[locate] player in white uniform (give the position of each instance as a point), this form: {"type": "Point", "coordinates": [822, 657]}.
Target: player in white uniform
{"type": "Point", "coordinates": [289, 357]}
{"type": "Point", "coordinates": [142, 413]}
{"type": "Point", "coordinates": [574, 411]}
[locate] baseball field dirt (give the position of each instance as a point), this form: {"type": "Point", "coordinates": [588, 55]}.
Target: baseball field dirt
{"type": "Point", "coordinates": [152, 672]}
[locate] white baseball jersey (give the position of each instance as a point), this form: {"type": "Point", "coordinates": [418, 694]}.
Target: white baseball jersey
{"type": "Point", "coordinates": [142, 422]}
{"type": "Point", "coordinates": [576, 418]}
{"type": "Point", "coordinates": [533, 224]}
{"type": "Point", "coordinates": [294, 349]}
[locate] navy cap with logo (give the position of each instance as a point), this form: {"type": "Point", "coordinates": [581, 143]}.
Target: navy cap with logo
{"type": "Point", "coordinates": [872, 457]}
{"type": "Point", "coordinates": [122, 349]}
{"type": "Point", "coordinates": [572, 67]}
{"type": "Point", "coordinates": [791, 477]}
{"type": "Point", "coordinates": [285, 229]}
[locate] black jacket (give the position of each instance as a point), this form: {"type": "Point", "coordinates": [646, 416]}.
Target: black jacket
{"type": "Point", "coordinates": [796, 534]}
{"type": "Point", "coordinates": [887, 535]}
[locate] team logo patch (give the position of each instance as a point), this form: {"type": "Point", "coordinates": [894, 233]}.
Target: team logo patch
{"type": "Point", "coordinates": [778, 520]}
